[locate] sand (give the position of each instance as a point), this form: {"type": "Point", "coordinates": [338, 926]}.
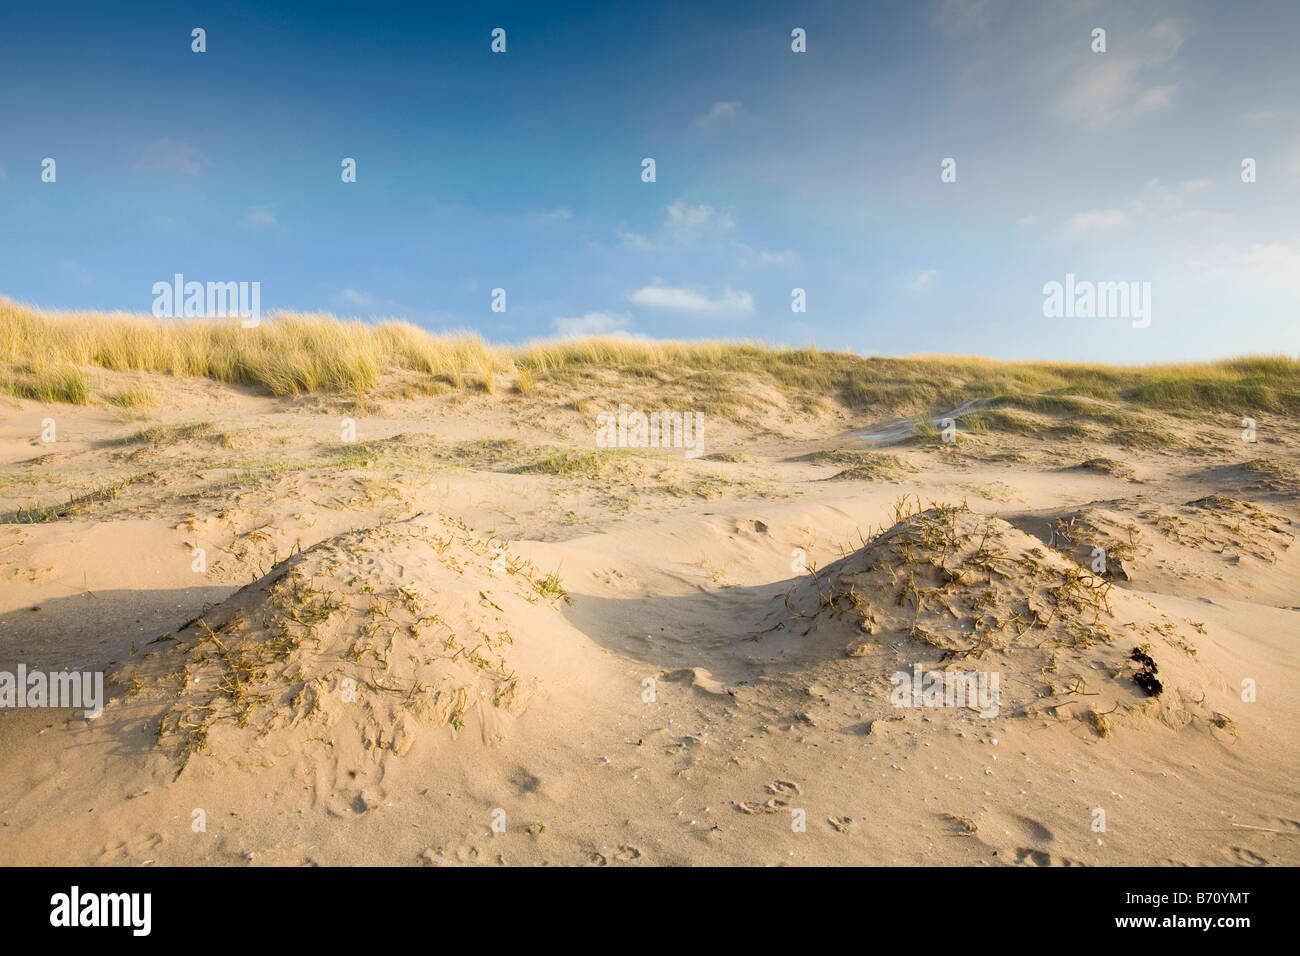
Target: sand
{"type": "Point", "coordinates": [437, 646]}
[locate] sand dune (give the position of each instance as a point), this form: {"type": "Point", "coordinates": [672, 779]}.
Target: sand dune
{"type": "Point", "coordinates": [467, 636]}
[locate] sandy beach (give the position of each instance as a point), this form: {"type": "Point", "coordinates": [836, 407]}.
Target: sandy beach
{"type": "Point", "coordinates": [433, 621]}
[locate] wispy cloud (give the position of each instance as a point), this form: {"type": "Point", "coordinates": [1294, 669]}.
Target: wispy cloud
{"type": "Point", "coordinates": [720, 112]}
{"type": "Point", "coordinates": [1258, 115]}
{"type": "Point", "coordinates": [684, 222]}
{"type": "Point", "coordinates": [1274, 261]}
{"type": "Point", "coordinates": [356, 299]}
{"type": "Point", "coordinates": [1093, 221]}
{"type": "Point", "coordinates": [1159, 203]}
{"type": "Point", "coordinates": [171, 157]}
{"type": "Point", "coordinates": [361, 302]}
{"type": "Point", "coordinates": [688, 222]}
{"type": "Point", "coordinates": [1155, 99]}
{"type": "Point", "coordinates": [750, 258]}
{"type": "Point", "coordinates": [259, 217]}
{"type": "Point", "coordinates": [551, 218]}
{"type": "Point", "coordinates": [1125, 82]}
{"type": "Point", "coordinates": [630, 238]}
{"type": "Point", "coordinates": [594, 323]}
{"type": "Point", "coordinates": [923, 280]}
{"type": "Point", "coordinates": [682, 216]}
{"type": "Point", "coordinates": [962, 16]}
{"type": "Point", "coordinates": [686, 300]}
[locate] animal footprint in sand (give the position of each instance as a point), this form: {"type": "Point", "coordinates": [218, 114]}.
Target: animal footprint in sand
{"type": "Point", "coordinates": [1243, 857]}
{"type": "Point", "coordinates": [782, 790]}
{"type": "Point", "coordinates": [468, 853]}
{"type": "Point", "coordinates": [1027, 857]}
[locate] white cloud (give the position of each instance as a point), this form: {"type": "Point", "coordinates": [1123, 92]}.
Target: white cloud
{"type": "Point", "coordinates": [551, 218]}
{"type": "Point", "coordinates": [1160, 200]}
{"type": "Point", "coordinates": [1258, 116]}
{"type": "Point", "coordinates": [1094, 220]}
{"type": "Point", "coordinates": [685, 300]}
{"type": "Point", "coordinates": [1166, 39]}
{"type": "Point", "coordinates": [689, 222]}
{"type": "Point", "coordinates": [923, 280]}
{"type": "Point", "coordinates": [751, 258]}
{"type": "Point", "coordinates": [1156, 98]}
{"type": "Point", "coordinates": [1100, 98]}
{"type": "Point", "coordinates": [722, 110]}
{"type": "Point", "coordinates": [1274, 259]}
{"type": "Point", "coordinates": [357, 299]}
{"type": "Point", "coordinates": [171, 156]}
{"type": "Point", "coordinates": [962, 16]}
{"type": "Point", "coordinates": [1099, 89]}
{"type": "Point", "coordinates": [632, 238]}
{"type": "Point", "coordinates": [594, 323]}
{"type": "Point", "coordinates": [259, 217]}
{"type": "Point", "coordinates": [684, 222]}
{"type": "Point", "coordinates": [1026, 221]}
{"type": "Point", "coordinates": [684, 216]}
{"type": "Point", "coordinates": [1158, 205]}
{"type": "Point", "coordinates": [1259, 261]}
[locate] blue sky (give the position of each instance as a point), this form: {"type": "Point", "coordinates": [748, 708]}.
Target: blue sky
{"type": "Point", "coordinates": [775, 169]}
